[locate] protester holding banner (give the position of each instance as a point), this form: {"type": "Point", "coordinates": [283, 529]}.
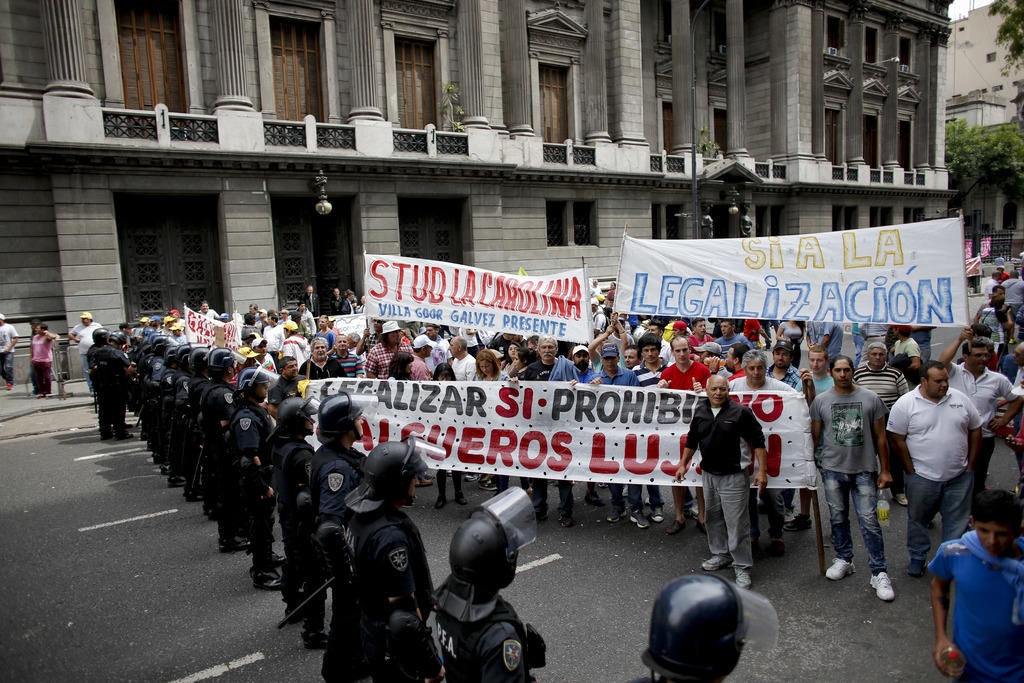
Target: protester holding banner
{"type": "Point", "coordinates": [378, 359]}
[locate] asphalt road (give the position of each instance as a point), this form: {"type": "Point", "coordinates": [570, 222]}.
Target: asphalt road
{"type": "Point", "coordinates": [151, 599]}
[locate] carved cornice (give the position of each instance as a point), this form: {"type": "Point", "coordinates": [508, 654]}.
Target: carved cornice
{"type": "Point", "coordinates": [893, 22]}
{"type": "Point", "coordinates": [430, 9]}
{"type": "Point", "coordinates": [553, 31]}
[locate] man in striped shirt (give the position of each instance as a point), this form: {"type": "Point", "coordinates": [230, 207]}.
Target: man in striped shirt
{"type": "Point", "coordinates": [876, 375]}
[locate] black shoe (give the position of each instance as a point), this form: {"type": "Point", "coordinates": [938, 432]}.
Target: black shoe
{"type": "Point", "coordinates": [276, 560]}
{"type": "Point", "coordinates": [176, 482]}
{"type": "Point", "coordinates": [265, 579]}
{"type": "Point", "coordinates": [798, 523]}
{"type": "Point", "coordinates": [192, 496]}
{"type": "Point", "coordinates": [441, 502]}
{"type": "Point", "coordinates": [233, 545]}
{"type": "Point", "coordinates": [106, 437]}
{"type": "Point", "coordinates": [314, 640]}
{"type": "Point", "coordinates": [593, 499]}
{"type": "Point", "coordinates": [165, 469]}
{"type": "Point", "coordinates": [459, 498]}
{"type": "Point", "coordinates": [122, 436]}
{"type": "Point", "coordinates": [566, 521]}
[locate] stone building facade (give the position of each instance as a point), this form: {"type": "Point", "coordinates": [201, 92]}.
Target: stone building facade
{"type": "Point", "coordinates": [161, 152]}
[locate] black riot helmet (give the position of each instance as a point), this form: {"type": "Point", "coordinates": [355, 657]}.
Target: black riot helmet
{"type": "Point", "coordinates": [197, 358]}
{"type": "Point", "coordinates": [100, 336]}
{"type": "Point", "coordinates": [220, 361]}
{"type": "Point", "coordinates": [182, 353]}
{"type": "Point", "coordinates": [294, 415]}
{"type": "Point", "coordinates": [118, 338]}
{"type": "Point", "coordinates": [701, 623]}
{"type": "Point", "coordinates": [338, 414]}
{"type": "Point", "coordinates": [249, 378]}
{"type": "Point", "coordinates": [159, 343]}
{"type": "Point", "coordinates": [390, 468]}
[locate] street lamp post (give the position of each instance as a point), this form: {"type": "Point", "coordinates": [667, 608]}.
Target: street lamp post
{"type": "Point", "coordinates": [693, 119]}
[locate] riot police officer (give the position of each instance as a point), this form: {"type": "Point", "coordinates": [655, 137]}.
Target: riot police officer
{"type": "Point", "coordinates": [301, 572]}
{"type": "Point", "coordinates": [172, 441]}
{"type": "Point", "coordinates": [195, 385]}
{"type": "Point", "coordinates": [336, 470]}
{"type": "Point", "coordinates": [482, 638]}
{"type": "Point", "coordinates": [151, 374]}
{"type": "Point", "coordinates": [220, 494]}
{"type": "Point", "coordinates": [109, 368]}
{"type": "Point", "coordinates": [391, 573]}
{"type": "Point", "coordinates": [250, 430]}
{"type": "Point", "coordinates": [699, 626]}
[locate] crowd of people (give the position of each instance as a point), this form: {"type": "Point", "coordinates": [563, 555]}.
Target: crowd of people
{"type": "Point", "coordinates": [230, 428]}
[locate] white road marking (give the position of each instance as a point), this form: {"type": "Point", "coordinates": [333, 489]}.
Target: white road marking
{"type": "Point", "coordinates": [538, 563]}
{"type": "Point", "coordinates": [141, 449]}
{"type": "Point", "coordinates": [130, 519]}
{"type": "Point", "coordinates": [221, 669]}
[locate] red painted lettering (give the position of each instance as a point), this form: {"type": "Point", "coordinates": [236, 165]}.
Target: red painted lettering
{"type": "Point", "coordinates": [471, 444]}
{"type": "Point", "coordinates": [507, 407]}
{"type": "Point", "coordinates": [635, 466]}
{"type": "Point", "coordinates": [375, 274]}
{"type": "Point", "coordinates": [774, 455]}
{"type": "Point", "coordinates": [774, 402]}
{"type": "Point", "coordinates": [559, 446]}
{"type": "Point", "coordinates": [599, 464]}
{"type": "Point", "coordinates": [503, 445]}
{"type": "Point", "coordinates": [532, 461]}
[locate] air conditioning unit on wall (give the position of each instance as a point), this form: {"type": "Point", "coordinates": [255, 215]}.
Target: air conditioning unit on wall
{"type": "Point", "coordinates": [834, 51]}
{"type": "Point", "coordinates": [722, 49]}
{"type": "Point", "coordinates": [904, 68]}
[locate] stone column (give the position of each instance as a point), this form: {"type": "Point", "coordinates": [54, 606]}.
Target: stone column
{"type": "Point", "coordinates": [937, 101]}
{"type": "Point", "coordinates": [682, 121]}
{"type": "Point", "coordinates": [626, 96]}
{"type": "Point", "coordinates": [229, 42]}
{"type": "Point", "coordinates": [818, 79]}
{"type": "Point", "coordinates": [701, 40]}
{"type": "Point", "coordinates": [855, 113]}
{"type": "Point", "coordinates": [735, 96]}
{"type": "Point", "coordinates": [922, 119]}
{"type": "Point", "coordinates": [365, 104]}
{"type": "Point", "coordinates": [891, 51]}
{"type": "Point", "coordinates": [65, 51]}
{"type": "Point", "coordinates": [515, 65]}
{"type": "Point", "coordinates": [595, 93]}
{"type": "Point", "coordinates": [778, 70]}
{"type": "Point", "coordinates": [471, 60]}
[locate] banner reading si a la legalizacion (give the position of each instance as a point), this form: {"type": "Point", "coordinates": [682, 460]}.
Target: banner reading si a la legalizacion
{"type": "Point", "coordinates": [463, 296]}
{"type": "Point", "coordinates": [200, 329]}
{"type": "Point", "coordinates": [900, 274]}
{"type": "Point", "coordinates": [552, 430]}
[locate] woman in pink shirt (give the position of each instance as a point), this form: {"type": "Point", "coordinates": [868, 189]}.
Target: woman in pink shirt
{"type": "Point", "coordinates": [42, 358]}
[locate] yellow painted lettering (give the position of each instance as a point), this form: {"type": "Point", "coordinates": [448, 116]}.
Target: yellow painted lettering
{"type": "Point", "coordinates": [850, 257]}
{"type": "Point", "coordinates": [889, 244]}
{"type": "Point", "coordinates": [775, 252]}
{"type": "Point", "coordinates": [757, 257]}
{"type": "Point", "coordinates": [809, 250]}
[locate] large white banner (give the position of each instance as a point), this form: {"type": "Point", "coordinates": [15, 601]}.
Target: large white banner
{"type": "Point", "coordinates": [199, 329]}
{"type": "Point", "coordinates": [463, 296]}
{"type": "Point", "coordinates": [587, 432]}
{"type": "Point", "coordinates": [900, 274]}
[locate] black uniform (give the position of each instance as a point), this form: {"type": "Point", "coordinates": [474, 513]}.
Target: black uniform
{"type": "Point", "coordinates": [191, 463]}
{"type": "Point", "coordinates": [302, 572]}
{"type": "Point", "coordinates": [218, 405]}
{"type": "Point", "coordinates": [389, 561]}
{"type": "Point", "coordinates": [250, 431]}
{"type": "Point", "coordinates": [488, 650]}
{"type": "Point", "coordinates": [150, 374]}
{"type": "Point", "coordinates": [107, 370]}
{"type": "Point", "coordinates": [334, 472]}
{"type": "Point", "coordinates": [170, 444]}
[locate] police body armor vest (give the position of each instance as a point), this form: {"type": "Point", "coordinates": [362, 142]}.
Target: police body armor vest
{"type": "Point", "coordinates": [463, 665]}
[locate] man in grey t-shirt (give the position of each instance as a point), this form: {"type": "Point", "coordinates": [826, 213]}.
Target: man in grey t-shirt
{"type": "Point", "coordinates": [848, 424]}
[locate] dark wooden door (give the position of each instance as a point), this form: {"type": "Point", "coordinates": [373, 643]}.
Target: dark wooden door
{"type": "Point", "coordinates": [169, 253]}
{"type": "Point", "coordinates": [431, 229]}
{"type": "Point", "coordinates": [311, 249]}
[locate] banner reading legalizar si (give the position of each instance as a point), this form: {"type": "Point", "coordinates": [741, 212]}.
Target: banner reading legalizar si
{"type": "Point", "coordinates": [463, 296]}
{"type": "Point", "coordinates": [200, 329]}
{"type": "Point", "coordinates": [900, 274]}
{"type": "Point", "coordinates": [587, 432]}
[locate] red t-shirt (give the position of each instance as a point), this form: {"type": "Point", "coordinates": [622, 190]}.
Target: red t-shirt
{"type": "Point", "coordinates": [678, 379]}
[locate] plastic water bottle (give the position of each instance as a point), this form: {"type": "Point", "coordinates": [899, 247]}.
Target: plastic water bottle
{"type": "Point", "coordinates": [883, 507]}
{"type": "Point", "coordinates": [953, 662]}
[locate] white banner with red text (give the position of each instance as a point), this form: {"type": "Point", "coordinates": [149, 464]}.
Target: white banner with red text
{"type": "Point", "coordinates": [200, 329]}
{"type": "Point", "coordinates": [587, 432]}
{"type": "Point", "coordinates": [901, 274]}
{"type": "Point", "coordinates": [451, 294]}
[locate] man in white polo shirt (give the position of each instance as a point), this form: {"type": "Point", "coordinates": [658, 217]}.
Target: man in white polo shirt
{"type": "Point", "coordinates": [936, 432]}
{"type": "Point", "coordinates": [986, 389]}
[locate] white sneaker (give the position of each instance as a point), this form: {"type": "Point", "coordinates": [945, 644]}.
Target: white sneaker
{"type": "Point", "coordinates": [883, 586]}
{"type": "Point", "coordinates": [839, 569]}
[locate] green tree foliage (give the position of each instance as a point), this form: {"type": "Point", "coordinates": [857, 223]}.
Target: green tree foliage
{"type": "Point", "coordinates": [1011, 32]}
{"type": "Point", "coordinates": [979, 155]}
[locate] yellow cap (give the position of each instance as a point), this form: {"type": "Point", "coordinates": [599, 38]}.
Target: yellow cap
{"type": "Point", "coordinates": [247, 352]}
{"type": "Point", "coordinates": [177, 326]}
{"type": "Point", "coordinates": [86, 314]}
{"type": "Point", "coordinates": [144, 319]}
{"type": "Point", "coordinates": [292, 326]}
{"type": "Point", "coordinates": [168, 319]}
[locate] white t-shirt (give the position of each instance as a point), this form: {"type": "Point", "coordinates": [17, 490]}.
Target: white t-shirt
{"type": "Point", "coordinates": [770, 384]}
{"type": "Point", "coordinates": [7, 335]}
{"type": "Point", "coordinates": [274, 336]}
{"type": "Point", "coordinates": [984, 392]}
{"type": "Point", "coordinates": [296, 346]}
{"type": "Point", "coordinates": [465, 369]}
{"type": "Point", "coordinates": [84, 333]}
{"type": "Point", "coordinates": [936, 432]}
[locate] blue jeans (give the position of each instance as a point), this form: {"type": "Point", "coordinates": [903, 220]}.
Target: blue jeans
{"type": "Point", "coordinates": [540, 498]}
{"type": "Point", "coordinates": [925, 497]}
{"type": "Point", "coordinates": [84, 358]}
{"type": "Point", "coordinates": [858, 344]}
{"type": "Point", "coordinates": [839, 488]}
{"type": "Point", "coordinates": [634, 494]}
{"type": "Point", "coordinates": [7, 367]}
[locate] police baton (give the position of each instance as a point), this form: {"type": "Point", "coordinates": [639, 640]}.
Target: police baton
{"type": "Point", "coordinates": [302, 605]}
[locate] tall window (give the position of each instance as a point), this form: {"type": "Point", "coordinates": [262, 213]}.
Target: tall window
{"type": "Point", "coordinates": [903, 144]}
{"type": "Point", "coordinates": [871, 141]}
{"type": "Point", "coordinates": [870, 45]}
{"type": "Point", "coordinates": [666, 126]}
{"type": "Point", "coordinates": [905, 52]}
{"type": "Point", "coordinates": [150, 54]}
{"type": "Point", "coordinates": [835, 33]}
{"type": "Point", "coordinates": [721, 118]}
{"type": "Point", "coordinates": [414, 66]}
{"type": "Point", "coordinates": [295, 47]}
{"type": "Point", "coordinates": [832, 139]}
{"type": "Point", "coordinates": [554, 102]}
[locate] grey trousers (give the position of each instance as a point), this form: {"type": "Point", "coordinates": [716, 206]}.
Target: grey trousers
{"type": "Point", "coordinates": [726, 498]}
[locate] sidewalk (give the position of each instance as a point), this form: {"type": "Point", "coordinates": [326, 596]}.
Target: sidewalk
{"type": "Point", "coordinates": [19, 402]}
